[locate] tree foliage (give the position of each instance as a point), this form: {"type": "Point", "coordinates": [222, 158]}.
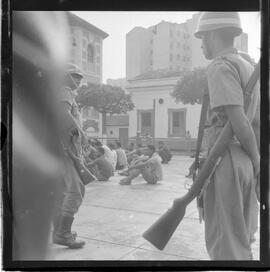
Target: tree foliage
{"type": "Point", "coordinates": [189, 90]}
{"type": "Point", "coordinates": [105, 98]}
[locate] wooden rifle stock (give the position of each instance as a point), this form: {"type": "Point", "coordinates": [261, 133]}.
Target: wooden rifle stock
{"type": "Point", "coordinates": [161, 231]}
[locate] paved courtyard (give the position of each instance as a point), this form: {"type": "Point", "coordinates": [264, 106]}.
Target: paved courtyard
{"type": "Point", "coordinates": [112, 219]}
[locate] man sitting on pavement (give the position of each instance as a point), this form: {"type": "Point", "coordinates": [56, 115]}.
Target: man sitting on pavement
{"type": "Point", "coordinates": [135, 154]}
{"type": "Point", "coordinates": [121, 157]}
{"type": "Point", "coordinates": [112, 148]}
{"type": "Point", "coordinates": [164, 152]}
{"type": "Point", "coordinates": [150, 168]}
{"type": "Point", "coordinates": [108, 153]}
{"type": "Point", "coordinates": [100, 167]}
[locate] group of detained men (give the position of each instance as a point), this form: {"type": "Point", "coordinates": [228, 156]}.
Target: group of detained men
{"type": "Point", "coordinates": [103, 160]}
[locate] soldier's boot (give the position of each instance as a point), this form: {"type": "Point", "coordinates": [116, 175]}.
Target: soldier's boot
{"type": "Point", "coordinates": [56, 220]}
{"type": "Point", "coordinates": [64, 236]}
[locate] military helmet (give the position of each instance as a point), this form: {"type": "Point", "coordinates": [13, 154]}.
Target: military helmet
{"type": "Point", "coordinates": [74, 70]}
{"type": "Point", "coordinates": [209, 21]}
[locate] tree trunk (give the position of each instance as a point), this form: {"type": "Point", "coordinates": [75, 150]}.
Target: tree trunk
{"type": "Point", "coordinates": [104, 123]}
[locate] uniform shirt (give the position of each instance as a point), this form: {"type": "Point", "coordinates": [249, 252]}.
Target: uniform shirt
{"type": "Point", "coordinates": [156, 168]}
{"type": "Point", "coordinates": [121, 157]}
{"type": "Point", "coordinates": [225, 85]}
{"type": "Point", "coordinates": [69, 126]}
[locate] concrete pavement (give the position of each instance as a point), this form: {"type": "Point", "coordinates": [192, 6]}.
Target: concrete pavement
{"type": "Point", "coordinates": [112, 219]}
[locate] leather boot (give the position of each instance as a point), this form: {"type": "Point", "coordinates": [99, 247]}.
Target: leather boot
{"type": "Point", "coordinates": [56, 220]}
{"type": "Point", "coordinates": [64, 236]}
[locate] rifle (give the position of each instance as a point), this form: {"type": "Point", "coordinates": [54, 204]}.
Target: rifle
{"type": "Point", "coordinates": [161, 231]}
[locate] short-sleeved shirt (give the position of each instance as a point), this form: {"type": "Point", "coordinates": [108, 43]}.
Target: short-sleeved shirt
{"type": "Point", "coordinates": [121, 157]}
{"type": "Point", "coordinates": [156, 168]}
{"type": "Point", "coordinates": [114, 158]}
{"type": "Point", "coordinates": [227, 75]}
{"type": "Point", "coordinates": [108, 154]}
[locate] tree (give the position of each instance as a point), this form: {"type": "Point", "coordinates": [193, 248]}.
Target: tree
{"type": "Point", "coordinates": [106, 99]}
{"type": "Point", "coordinates": [189, 89]}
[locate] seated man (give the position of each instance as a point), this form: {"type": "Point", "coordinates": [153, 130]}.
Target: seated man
{"type": "Point", "coordinates": [135, 154]}
{"type": "Point", "coordinates": [121, 157]}
{"type": "Point", "coordinates": [150, 168]}
{"type": "Point", "coordinates": [100, 167]}
{"type": "Point", "coordinates": [164, 152]}
{"type": "Point", "coordinates": [130, 148]}
{"type": "Point", "coordinates": [112, 148]}
{"type": "Point", "coordinates": [108, 153]}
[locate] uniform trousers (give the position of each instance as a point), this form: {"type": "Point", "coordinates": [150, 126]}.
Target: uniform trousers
{"type": "Point", "coordinates": [71, 191]}
{"type": "Point", "coordinates": [231, 208]}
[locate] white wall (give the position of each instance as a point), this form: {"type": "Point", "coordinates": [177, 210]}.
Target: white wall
{"type": "Point", "coordinates": [143, 100]}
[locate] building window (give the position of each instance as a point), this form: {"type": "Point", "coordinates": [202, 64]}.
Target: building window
{"type": "Point", "coordinates": [171, 33]}
{"type": "Point", "coordinates": [145, 122]}
{"type": "Point", "coordinates": [178, 33]}
{"type": "Point", "coordinates": [178, 57]}
{"type": "Point", "coordinates": [171, 57]}
{"type": "Point", "coordinates": [171, 45]}
{"type": "Point", "coordinates": [177, 122]}
{"type": "Point", "coordinates": [90, 53]}
{"type": "Point", "coordinates": [98, 48]}
{"type": "Point", "coordinates": [171, 68]}
{"type": "Point", "coordinates": [178, 45]}
{"type": "Point", "coordinates": [151, 41]}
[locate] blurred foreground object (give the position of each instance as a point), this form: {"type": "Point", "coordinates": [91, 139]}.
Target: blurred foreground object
{"type": "Point", "coordinates": [39, 55]}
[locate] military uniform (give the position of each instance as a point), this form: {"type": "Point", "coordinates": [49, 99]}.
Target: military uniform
{"type": "Point", "coordinates": [230, 203]}
{"type": "Point", "coordinates": [72, 191]}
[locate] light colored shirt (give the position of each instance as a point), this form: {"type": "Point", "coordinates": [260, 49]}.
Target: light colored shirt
{"type": "Point", "coordinates": [225, 84]}
{"type": "Point", "coordinates": [121, 157]}
{"type": "Point", "coordinates": [114, 159]}
{"type": "Point", "coordinates": [108, 154]}
{"type": "Point", "coordinates": [156, 168]}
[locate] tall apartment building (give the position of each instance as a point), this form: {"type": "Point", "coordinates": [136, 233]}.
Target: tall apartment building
{"type": "Point", "coordinates": [86, 52]}
{"type": "Point", "coordinates": [167, 46]}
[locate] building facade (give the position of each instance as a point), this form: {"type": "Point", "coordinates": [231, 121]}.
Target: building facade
{"type": "Point", "coordinates": [167, 46]}
{"type": "Point", "coordinates": [158, 115]}
{"type": "Point", "coordinates": [86, 52]}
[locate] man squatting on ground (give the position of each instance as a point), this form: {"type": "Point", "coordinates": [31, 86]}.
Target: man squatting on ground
{"type": "Point", "coordinates": [100, 166]}
{"type": "Point", "coordinates": [230, 203]}
{"type": "Point", "coordinates": [150, 168]}
{"type": "Point", "coordinates": [72, 190]}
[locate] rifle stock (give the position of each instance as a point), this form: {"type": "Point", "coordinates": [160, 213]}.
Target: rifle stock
{"type": "Point", "coordinates": [161, 231]}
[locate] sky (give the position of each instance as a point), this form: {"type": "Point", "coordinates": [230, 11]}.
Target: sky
{"type": "Point", "coordinates": [118, 24]}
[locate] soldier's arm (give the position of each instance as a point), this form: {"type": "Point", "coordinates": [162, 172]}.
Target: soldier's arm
{"type": "Point", "coordinates": [244, 133]}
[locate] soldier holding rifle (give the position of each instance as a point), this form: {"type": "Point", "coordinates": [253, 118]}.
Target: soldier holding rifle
{"type": "Point", "coordinates": [230, 203]}
{"type": "Point", "coordinates": [229, 176]}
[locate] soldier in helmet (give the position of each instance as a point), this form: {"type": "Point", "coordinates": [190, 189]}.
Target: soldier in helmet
{"type": "Point", "coordinates": [72, 191]}
{"type": "Point", "coordinates": [230, 203]}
